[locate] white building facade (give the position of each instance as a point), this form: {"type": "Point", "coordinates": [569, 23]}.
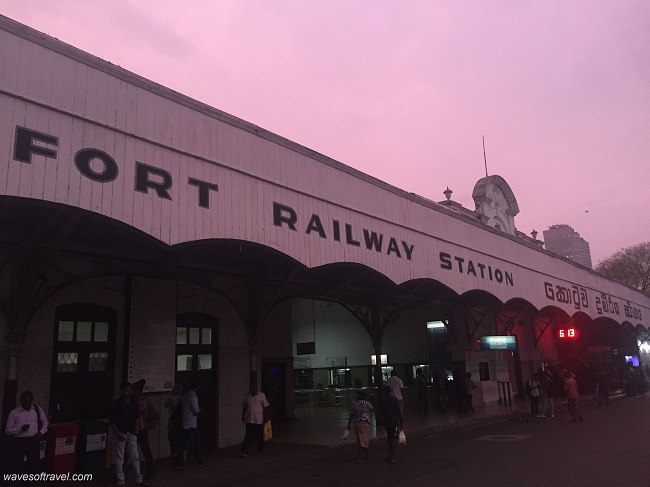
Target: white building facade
{"type": "Point", "coordinates": [146, 235]}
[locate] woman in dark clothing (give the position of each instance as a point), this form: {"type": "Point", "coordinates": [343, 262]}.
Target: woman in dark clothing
{"type": "Point", "coordinates": [393, 421]}
{"type": "Point", "coordinates": [459, 390]}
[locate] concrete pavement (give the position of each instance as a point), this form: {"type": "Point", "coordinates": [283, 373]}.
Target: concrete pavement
{"type": "Point", "coordinates": [310, 451]}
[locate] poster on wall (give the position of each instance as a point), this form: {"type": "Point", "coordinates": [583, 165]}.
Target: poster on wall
{"type": "Point", "coordinates": [152, 334]}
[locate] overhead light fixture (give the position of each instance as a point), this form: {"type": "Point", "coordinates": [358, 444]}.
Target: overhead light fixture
{"type": "Point", "coordinates": [436, 325]}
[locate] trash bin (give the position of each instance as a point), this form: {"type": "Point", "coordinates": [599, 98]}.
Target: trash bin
{"type": "Point", "coordinates": [91, 451]}
{"type": "Point", "coordinates": [62, 448]}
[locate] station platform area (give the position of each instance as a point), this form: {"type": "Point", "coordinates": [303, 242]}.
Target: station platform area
{"type": "Point", "coordinates": [316, 438]}
{"type": "Point", "coordinates": [325, 427]}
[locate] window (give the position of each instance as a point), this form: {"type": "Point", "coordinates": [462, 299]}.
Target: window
{"type": "Point", "coordinates": [84, 331]}
{"type": "Point", "coordinates": [98, 362]}
{"type": "Point", "coordinates": [183, 363]}
{"type": "Point", "coordinates": [195, 345]}
{"type": "Point", "coordinates": [67, 362]}
{"type": "Point", "coordinates": [206, 336]}
{"type": "Point", "coordinates": [66, 331]}
{"type": "Point", "coordinates": [205, 361]}
{"type": "Point", "coordinates": [181, 336]}
{"type": "Point", "coordinates": [101, 332]}
{"type": "Point", "coordinates": [82, 345]}
{"type": "Point", "coordinates": [195, 336]}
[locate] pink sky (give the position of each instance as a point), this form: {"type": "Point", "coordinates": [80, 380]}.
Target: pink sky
{"type": "Point", "coordinates": [404, 90]}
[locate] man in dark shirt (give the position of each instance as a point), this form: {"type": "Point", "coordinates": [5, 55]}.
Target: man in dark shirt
{"type": "Point", "coordinates": [393, 421]}
{"type": "Point", "coordinates": [124, 424]}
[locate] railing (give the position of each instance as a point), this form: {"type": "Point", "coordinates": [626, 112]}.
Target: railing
{"type": "Point", "coordinates": [313, 400]}
{"type": "Point", "coordinates": [503, 387]}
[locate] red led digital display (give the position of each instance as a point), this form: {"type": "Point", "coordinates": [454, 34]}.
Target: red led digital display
{"type": "Point", "coordinates": [567, 333]}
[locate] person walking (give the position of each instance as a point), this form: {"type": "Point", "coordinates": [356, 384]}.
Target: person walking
{"type": "Point", "coordinates": [571, 392]}
{"type": "Point", "coordinates": [393, 421]}
{"type": "Point", "coordinates": [123, 421]}
{"type": "Point", "coordinates": [591, 377]}
{"type": "Point", "coordinates": [541, 388]}
{"type": "Point", "coordinates": [440, 389]}
{"type": "Point", "coordinates": [396, 388]}
{"type": "Point", "coordinates": [470, 385]}
{"type": "Point", "coordinates": [148, 419]}
{"type": "Point", "coordinates": [175, 420]}
{"type": "Point", "coordinates": [532, 391]}
{"type": "Point", "coordinates": [550, 391]}
{"type": "Point", "coordinates": [421, 391]}
{"type": "Point", "coordinates": [360, 418]}
{"type": "Point", "coordinates": [191, 440]}
{"type": "Point", "coordinates": [603, 381]}
{"type": "Point", "coordinates": [253, 416]}
{"type": "Point", "coordinates": [26, 424]}
{"type": "Point", "coordinates": [459, 390]}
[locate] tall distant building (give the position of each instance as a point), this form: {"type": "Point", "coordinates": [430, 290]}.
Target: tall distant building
{"type": "Point", "coordinates": [565, 241]}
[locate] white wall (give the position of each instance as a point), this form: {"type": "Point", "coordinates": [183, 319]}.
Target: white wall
{"type": "Point", "coordinates": [336, 332]}
{"type": "Point", "coordinates": [339, 334]}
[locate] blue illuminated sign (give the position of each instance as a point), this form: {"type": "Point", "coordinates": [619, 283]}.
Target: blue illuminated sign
{"type": "Point", "coordinates": [499, 343]}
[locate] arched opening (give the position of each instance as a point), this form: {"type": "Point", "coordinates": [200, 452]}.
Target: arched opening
{"type": "Point", "coordinates": [196, 363]}
{"type": "Point", "coordinates": [83, 363]}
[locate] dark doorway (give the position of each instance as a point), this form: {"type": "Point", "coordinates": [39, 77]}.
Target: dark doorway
{"type": "Point", "coordinates": [274, 386]}
{"type": "Point", "coordinates": [83, 364]}
{"type": "Point", "coordinates": [196, 360]}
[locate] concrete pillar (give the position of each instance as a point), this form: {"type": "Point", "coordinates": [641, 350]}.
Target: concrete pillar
{"type": "Point", "coordinates": [15, 342]}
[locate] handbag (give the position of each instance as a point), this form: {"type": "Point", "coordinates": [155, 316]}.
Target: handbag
{"type": "Point", "coordinates": [402, 438]}
{"type": "Point", "coordinates": [268, 431]}
{"type": "Point", "coordinates": [346, 432]}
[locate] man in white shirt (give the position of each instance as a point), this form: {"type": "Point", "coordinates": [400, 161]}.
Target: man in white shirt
{"type": "Point", "coordinates": [396, 389]}
{"type": "Point", "coordinates": [252, 416]}
{"type": "Point", "coordinates": [27, 424]}
{"type": "Point", "coordinates": [191, 439]}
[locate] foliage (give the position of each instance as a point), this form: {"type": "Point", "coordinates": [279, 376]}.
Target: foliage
{"type": "Point", "coordinates": [630, 266]}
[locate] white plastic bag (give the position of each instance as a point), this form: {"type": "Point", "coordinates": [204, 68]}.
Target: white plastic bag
{"type": "Point", "coordinates": [346, 433]}
{"type": "Point", "coordinates": [402, 438]}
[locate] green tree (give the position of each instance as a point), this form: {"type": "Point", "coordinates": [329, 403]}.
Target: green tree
{"type": "Point", "coordinates": [630, 266]}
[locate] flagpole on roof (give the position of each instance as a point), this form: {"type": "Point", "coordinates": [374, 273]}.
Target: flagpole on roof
{"type": "Point", "coordinates": [484, 156]}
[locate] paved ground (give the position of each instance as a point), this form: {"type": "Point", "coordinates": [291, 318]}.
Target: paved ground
{"type": "Point", "coordinates": [610, 448]}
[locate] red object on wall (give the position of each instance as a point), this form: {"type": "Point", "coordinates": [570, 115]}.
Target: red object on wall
{"type": "Point", "coordinates": [567, 333]}
{"type": "Point", "coordinates": [62, 448]}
